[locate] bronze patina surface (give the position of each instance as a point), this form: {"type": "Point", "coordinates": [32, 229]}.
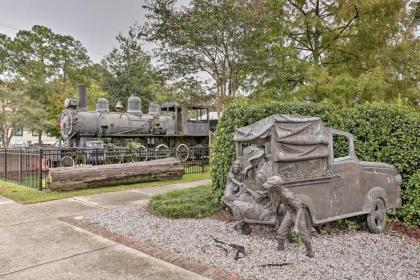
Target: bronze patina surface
{"type": "Point", "coordinates": [311, 185]}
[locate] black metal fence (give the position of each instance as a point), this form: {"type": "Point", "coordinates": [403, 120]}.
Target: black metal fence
{"type": "Point", "coordinates": [30, 167]}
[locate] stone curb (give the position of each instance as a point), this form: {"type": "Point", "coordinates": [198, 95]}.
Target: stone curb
{"type": "Point", "coordinates": [154, 251]}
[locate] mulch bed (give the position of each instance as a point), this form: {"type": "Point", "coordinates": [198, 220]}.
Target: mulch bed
{"type": "Point", "coordinates": [399, 228]}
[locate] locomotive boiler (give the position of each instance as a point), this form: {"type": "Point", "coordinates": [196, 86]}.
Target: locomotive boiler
{"type": "Point", "coordinates": [164, 126]}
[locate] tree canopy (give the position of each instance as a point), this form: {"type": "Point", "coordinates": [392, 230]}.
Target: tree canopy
{"type": "Point", "coordinates": [127, 71]}
{"type": "Point", "coordinates": [348, 52]}
{"type": "Point", "coordinates": [207, 38]}
{"type": "Point", "coordinates": [18, 111]}
{"type": "Point", "coordinates": [214, 51]}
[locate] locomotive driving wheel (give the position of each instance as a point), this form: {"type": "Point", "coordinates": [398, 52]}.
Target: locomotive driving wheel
{"type": "Point", "coordinates": [142, 153]}
{"type": "Point", "coordinates": [182, 152]}
{"type": "Point", "coordinates": [162, 151]}
{"type": "Point", "coordinates": [67, 161]}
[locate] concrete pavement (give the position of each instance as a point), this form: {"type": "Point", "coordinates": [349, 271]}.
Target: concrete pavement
{"type": "Point", "coordinates": [34, 244]}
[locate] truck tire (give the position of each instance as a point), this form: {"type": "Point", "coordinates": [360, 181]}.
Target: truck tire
{"type": "Point", "coordinates": [376, 219]}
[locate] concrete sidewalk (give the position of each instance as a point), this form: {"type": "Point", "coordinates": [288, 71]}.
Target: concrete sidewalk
{"type": "Point", "coordinates": [34, 244]}
{"type": "Point", "coordinates": [91, 203]}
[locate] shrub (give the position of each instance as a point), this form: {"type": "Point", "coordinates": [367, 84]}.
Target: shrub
{"type": "Point", "coordinates": [383, 133]}
{"type": "Point", "coordinates": [410, 211]}
{"type": "Point", "coordinates": [198, 202]}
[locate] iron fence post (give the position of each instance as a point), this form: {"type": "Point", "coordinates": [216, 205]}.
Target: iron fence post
{"type": "Point", "coordinates": [40, 170]}
{"type": "Point", "coordinates": [20, 166]}
{"type": "Point", "coordinates": [5, 164]}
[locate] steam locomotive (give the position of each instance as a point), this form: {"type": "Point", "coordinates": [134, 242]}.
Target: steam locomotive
{"type": "Point", "coordinates": [164, 126]}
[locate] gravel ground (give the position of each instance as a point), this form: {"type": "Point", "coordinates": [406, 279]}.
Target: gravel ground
{"type": "Point", "coordinates": [358, 255]}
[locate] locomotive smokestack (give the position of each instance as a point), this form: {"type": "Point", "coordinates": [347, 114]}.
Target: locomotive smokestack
{"type": "Point", "coordinates": [81, 89]}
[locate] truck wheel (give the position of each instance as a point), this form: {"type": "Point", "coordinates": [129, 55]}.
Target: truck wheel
{"type": "Point", "coordinates": [376, 219]}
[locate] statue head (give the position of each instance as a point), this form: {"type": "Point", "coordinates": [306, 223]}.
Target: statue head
{"type": "Point", "coordinates": [252, 154]}
{"type": "Point", "coordinates": [236, 167]}
{"type": "Point", "coordinates": [273, 181]}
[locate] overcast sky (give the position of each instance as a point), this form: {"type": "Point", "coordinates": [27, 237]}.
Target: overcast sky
{"type": "Point", "coordinates": [93, 22]}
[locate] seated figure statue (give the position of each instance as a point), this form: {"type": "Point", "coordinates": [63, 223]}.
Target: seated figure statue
{"type": "Point", "coordinates": [253, 202]}
{"type": "Point", "coordinates": [234, 184]}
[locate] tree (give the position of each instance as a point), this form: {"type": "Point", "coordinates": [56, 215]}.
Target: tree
{"type": "Point", "coordinates": [186, 92]}
{"type": "Point", "coordinates": [46, 64]}
{"type": "Point", "coordinates": [348, 51]}
{"type": "Point", "coordinates": [4, 56]}
{"type": "Point", "coordinates": [209, 37]}
{"type": "Point", "coordinates": [127, 70]}
{"type": "Point", "coordinates": [18, 111]}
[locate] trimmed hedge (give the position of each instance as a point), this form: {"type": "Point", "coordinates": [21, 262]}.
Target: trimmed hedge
{"type": "Point", "coordinates": [383, 133]}
{"type": "Point", "coordinates": [410, 211]}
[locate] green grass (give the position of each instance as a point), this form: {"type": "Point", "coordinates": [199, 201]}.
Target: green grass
{"type": "Point", "coordinates": [27, 195]}
{"type": "Point", "coordinates": [198, 202]}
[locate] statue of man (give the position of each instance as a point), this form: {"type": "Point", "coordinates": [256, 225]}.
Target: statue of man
{"type": "Point", "coordinates": [253, 202]}
{"type": "Point", "coordinates": [295, 216]}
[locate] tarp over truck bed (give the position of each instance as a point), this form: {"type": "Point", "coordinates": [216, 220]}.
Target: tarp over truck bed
{"type": "Point", "coordinates": [293, 138]}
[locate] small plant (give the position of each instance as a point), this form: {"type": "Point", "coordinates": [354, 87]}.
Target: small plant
{"type": "Point", "coordinates": [350, 224]}
{"type": "Point", "coordinates": [295, 239]}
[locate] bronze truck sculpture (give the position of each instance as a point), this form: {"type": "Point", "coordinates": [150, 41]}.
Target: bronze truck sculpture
{"type": "Point", "coordinates": [303, 153]}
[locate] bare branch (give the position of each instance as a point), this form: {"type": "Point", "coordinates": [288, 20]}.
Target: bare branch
{"type": "Point", "coordinates": [344, 28]}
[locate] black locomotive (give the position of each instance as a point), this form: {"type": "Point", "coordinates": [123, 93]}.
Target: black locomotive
{"type": "Point", "coordinates": [163, 127]}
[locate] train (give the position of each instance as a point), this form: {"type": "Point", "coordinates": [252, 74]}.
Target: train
{"type": "Point", "coordinates": [164, 126]}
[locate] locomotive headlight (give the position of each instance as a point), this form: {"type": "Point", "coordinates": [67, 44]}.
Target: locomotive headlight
{"type": "Point", "coordinates": [66, 121]}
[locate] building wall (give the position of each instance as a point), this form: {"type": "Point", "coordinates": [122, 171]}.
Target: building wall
{"type": "Point", "coordinates": [25, 138]}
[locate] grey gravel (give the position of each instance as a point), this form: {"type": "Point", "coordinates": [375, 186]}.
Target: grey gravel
{"type": "Point", "coordinates": [359, 255]}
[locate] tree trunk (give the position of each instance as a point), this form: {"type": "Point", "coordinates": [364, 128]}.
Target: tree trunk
{"type": "Point", "coordinates": [40, 138]}
{"type": "Point", "coordinates": [72, 178]}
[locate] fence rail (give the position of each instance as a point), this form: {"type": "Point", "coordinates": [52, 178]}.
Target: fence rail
{"type": "Point", "coordinates": [30, 167]}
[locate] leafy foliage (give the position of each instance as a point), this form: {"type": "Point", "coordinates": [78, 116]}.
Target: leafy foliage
{"type": "Point", "coordinates": [128, 71]}
{"type": "Point", "coordinates": [383, 133]}
{"type": "Point", "coordinates": [348, 52]}
{"type": "Point", "coordinates": [410, 211]}
{"type": "Point", "coordinates": [18, 111]}
{"type": "Point", "coordinates": [195, 202]}
{"type": "Point", "coordinates": [45, 66]}
{"type": "Point", "coordinates": [209, 36]}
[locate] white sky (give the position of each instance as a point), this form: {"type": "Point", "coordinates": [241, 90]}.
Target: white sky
{"type": "Point", "coordinates": [93, 22]}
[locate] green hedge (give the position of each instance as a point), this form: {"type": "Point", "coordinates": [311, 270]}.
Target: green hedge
{"type": "Point", "coordinates": [383, 133]}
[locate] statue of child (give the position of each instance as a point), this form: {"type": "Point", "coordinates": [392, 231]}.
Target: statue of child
{"type": "Point", "coordinates": [234, 184]}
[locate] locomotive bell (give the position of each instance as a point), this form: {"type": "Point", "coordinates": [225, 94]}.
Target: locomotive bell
{"type": "Point", "coordinates": [119, 105]}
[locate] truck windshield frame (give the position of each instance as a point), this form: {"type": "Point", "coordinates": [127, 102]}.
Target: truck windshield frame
{"type": "Point", "coordinates": [351, 155]}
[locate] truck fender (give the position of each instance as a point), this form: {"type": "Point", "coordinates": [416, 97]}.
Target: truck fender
{"type": "Point", "coordinates": [375, 192]}
{"type": "Point", "coordinates": [308, 203]}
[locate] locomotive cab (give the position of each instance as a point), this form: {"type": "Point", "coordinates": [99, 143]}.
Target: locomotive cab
{"type": "Point", "coordinates": [189, 120]}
